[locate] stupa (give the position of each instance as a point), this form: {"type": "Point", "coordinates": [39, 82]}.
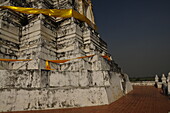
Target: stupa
{"type": "Point", "coordinates": [51, 57]}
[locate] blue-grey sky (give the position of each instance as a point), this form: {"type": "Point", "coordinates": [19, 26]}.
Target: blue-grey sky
{"type": "Point", "coordinates": [137, 33]}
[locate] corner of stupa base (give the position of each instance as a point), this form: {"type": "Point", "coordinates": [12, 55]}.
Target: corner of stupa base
{"type": "Point", "coordinates": [128, 88]}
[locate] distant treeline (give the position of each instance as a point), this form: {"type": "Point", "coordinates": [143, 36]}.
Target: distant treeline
{"type": "Point", "coordinates": [134, 79]}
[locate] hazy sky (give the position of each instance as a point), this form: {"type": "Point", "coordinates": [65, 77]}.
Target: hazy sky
{"type": "Point", "coordinates": [137, 33]}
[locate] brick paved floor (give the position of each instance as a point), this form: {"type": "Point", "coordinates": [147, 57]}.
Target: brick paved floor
{"type": "Point", "coordinates": [140, 100]}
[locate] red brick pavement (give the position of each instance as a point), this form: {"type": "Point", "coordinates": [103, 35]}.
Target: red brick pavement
{"type": "Point", "coordinates": [141, 100]}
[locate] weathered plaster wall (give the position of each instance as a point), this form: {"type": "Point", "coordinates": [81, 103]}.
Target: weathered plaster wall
{"type": "Point", "coordinates": [21, 78]}
{"type": "Point", "coordinates": [82, 78]}
{"type": "Point", "coordinates": [40, 89]}
{"type": "Point", "coordinates": [49, 98]}
{"type": "Point", "coordinates": [70, 78]}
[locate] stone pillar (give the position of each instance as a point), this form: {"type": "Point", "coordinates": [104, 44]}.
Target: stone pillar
{"type": "Point", "coordinates": [163, 79]}
{"type": "Point", "coordinates": [156, 79]}
{"type": "Point", "coordinates": [168, 80]}
{"type": "Point", "coordinates": [164, 84]}
{"type": "Point", "coordinates": [157, 83]}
